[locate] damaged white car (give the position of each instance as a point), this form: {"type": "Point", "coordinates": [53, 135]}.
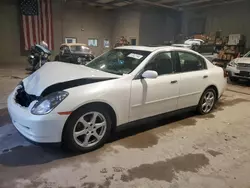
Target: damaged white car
{"type": "Point", "coordinates": [81, 105]}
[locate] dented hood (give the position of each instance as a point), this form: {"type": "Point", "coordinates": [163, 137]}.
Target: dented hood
{"type": "Point", "coordinates": [57, 75]}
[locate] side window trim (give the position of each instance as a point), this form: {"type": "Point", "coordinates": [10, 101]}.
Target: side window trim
{"type": "Point", "coordinates": [195, 55]}
{"type": "Point", "coordinates": [176, 61]}
{"type": "Point", "coordinates": [138, 75]}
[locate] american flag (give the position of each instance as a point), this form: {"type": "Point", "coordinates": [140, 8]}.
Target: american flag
{"type": "Point", "coordinates": [37, 22]}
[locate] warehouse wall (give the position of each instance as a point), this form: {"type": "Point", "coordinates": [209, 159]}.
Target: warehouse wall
{"type": "Point", "coordinates": [230, 18]}
{"type": "Point", "coordinates": [57, 10]}
{"type": "Point", "coordinates": [68, 20]}
{"type": "Point", "coordinates": [85, 22]}
{"type": "Point", "coordinates": [75, 20]}
{"type": "Point", "coordinates": [9, 33]}
{"type": "Point", "coordinates": [126, 23]}
{"type": "Point", "coordinates": [158, 25]}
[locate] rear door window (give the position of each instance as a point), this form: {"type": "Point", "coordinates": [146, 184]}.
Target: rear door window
{"type": "Point", "coordinates": [190, 62]}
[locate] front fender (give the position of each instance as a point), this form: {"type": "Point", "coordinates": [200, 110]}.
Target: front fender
{"type": "Point", "coordinates": [115, 93]}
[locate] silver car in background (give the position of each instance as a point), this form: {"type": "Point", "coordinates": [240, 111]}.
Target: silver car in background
{"type": "Point", "coordinates": [239, 68]}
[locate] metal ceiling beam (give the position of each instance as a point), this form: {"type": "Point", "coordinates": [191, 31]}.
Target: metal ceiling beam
{"type": "Point", "coordinates": [191, 3]}
{"type": "Point", "coordinates": [156, 4]}
{"type": "Point", "coordinates": [215, 4]}
{"type": "Point", "coordinates": [111, 2]}
{"type": "Point", "coordinates": [93, 2]}
{"type": "Point", "coordinates": [166, 1]}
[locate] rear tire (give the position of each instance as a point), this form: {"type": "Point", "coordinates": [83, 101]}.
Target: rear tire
{"type": "Point", "coordinates": [207, 101]}
{"type": "Point", "coordinates": [87, 129]}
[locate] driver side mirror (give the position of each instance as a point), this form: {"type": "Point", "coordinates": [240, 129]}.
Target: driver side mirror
{"type": "Point", "coordinates": [150, 74]}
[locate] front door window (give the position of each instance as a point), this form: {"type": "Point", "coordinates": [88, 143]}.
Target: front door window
{"type": "Point", "coordinates": [162, 64]}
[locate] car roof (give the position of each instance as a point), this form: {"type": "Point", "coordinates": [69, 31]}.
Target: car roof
{"type": "Point", "coordinates": [74, 44]}
{"type": "Point", "coordinates": [151, 49]}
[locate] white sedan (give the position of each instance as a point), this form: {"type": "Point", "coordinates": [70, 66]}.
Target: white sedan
{"type": "Point", "coordinates": [81, 105]}
{"type": "Point", "coordinates": [194, 42]}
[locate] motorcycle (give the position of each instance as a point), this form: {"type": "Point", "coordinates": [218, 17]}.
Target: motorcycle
{"type": "Point", "coordinates": [39, 55]}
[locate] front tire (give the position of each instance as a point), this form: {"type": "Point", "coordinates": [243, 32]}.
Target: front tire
{"type": "Point", "coordinates": [207, 101]}
{"type": "Point", "coordinates": [87, 129]}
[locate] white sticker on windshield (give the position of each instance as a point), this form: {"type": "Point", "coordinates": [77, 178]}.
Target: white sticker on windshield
{"type": "Point", "coordinates": [136, 56]}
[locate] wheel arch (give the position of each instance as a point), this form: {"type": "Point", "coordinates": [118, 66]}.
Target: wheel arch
{"type": "Point", "coordinates": [216, 90]}
{"type": "Point", "coordinates": [198, 108]}
{"type": "Point", "coordinates": [110, 109]}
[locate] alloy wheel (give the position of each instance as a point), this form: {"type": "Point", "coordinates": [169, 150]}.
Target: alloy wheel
{"type": "Point", "coordinates": [89, 129]}
{"type": "Point", "coordinates": [208, 102]}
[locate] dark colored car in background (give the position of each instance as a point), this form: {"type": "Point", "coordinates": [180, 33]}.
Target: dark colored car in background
{"type": "Point", "coordinates": [75, 53]}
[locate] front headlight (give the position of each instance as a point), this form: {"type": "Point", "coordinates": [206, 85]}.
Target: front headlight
{"type": "Point", "coordinates": [232, 63]}
{"type": "Point", "coordinates": [48, 103]}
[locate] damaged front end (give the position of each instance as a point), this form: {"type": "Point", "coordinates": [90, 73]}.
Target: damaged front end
{"type": "Point", "coordinates": [23, 98]}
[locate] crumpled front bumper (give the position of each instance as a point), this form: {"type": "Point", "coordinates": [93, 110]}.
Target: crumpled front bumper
{"type": "Point", "coordinates": [38, 128]}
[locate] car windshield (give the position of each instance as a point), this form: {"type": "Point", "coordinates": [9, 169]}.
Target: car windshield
{"type": "Point", "coordinates": [80, 48]}
{"type": "Point", "coordinates": [119, 61]}
{"type": "Point", "coordinates": [247, 54]}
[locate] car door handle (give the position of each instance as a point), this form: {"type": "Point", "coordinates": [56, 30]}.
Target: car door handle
{"type": "Point", "coordinates": [205, 76]}
{"type": "Point", "coordinates": [173, 81]}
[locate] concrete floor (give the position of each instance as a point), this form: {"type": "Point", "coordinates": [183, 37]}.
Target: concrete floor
{"type": "Point", "coordinates": [181, 151]}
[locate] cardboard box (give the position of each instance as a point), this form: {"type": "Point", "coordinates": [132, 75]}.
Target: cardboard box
{"type": "Point", "coordinates": [202, 37]}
